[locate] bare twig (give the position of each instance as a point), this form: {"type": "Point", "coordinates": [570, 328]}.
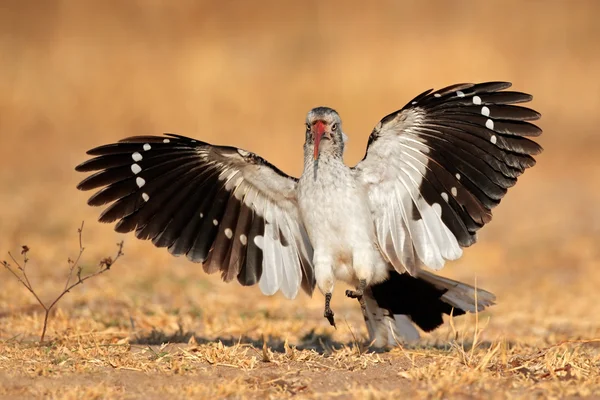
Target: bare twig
{"type": "Point", "coordinates": [104, 264]}
{"type": "Point", "coordinates": [73, 264]}
{"type": "Point", "coordinates": [24, 281]}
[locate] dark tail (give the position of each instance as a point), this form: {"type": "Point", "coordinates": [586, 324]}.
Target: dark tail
{"type": "Point", "coordinates": [421, 300]}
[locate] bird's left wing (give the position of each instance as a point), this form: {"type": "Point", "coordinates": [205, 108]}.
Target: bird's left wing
{"type": "Point", "coordinates": [435, 169]}
{"type": "Point", "coordinates": [222, 206]}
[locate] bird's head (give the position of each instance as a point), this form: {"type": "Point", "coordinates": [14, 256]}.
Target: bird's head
{"type": "Point", "coordinates": [324, 131]}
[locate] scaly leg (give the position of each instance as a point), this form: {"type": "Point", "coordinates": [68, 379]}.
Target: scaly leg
{"type": "Point", "coordinates": [328, 313]}
{"type": "Point", "coordinates": [358, 294]}
{"type": "Point", "coordinates": [325, 279]}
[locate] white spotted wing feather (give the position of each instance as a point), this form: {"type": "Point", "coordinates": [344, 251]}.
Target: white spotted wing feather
{"type": "Point", "coordinates": [436, 168]}
{"type": "Point", "coordinates": [222, 206]}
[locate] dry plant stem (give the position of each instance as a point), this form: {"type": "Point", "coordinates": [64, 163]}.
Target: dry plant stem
{"type": "Point", "coordinates": [105, 265]}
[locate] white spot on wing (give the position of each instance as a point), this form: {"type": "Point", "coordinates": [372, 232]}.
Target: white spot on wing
{"type": "Point", "coordinates": [454, 191]}
{"type": "Point", "coordinates": [458, 176]}
{"type": "Point", "coordinates": [140, 181]}
{"type": "Point", "coordinates": [201, 215]}
{"type": "Point", "coordinates": [228, 233]}
{"type": "Point", "coordinates": [166, 141]}
{"type": "Point", "coordinates": [145, 197]}
{"type": "Point", "coordinates": [489, 124]}
{"type": "Point", "coordinates": [259, 241]}
{"type": "Point", "coordinates": [147, 147]}
{"type": "Point", "coordinates": [460, 94]}
{"type": "Point", "coordinates": [136, 156]}
{"type": "Point", "coordinates": [476, 100]}
{"type": "Point", "coordinates": [437, 95]}
{"type": "Point", "coordinates": [136, 169]}
{"type": "Point", "coordinates": [493, 139]}
{"type": "Point", "coordinates": [215, 222]}
{"type": "Point", "coordinates": [413, 103]}
{"type": "Point", "coordinates": [243, 239]}
{"type": "Point", "coordinates": [485, 111]}
{"type": "Point", "coordinates": [445, 196]}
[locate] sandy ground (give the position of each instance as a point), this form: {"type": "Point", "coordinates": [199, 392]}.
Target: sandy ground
{"type": "Point", "coordinates": [79, 74]}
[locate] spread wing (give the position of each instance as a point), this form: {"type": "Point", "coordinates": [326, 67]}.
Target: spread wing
{"type": "Point", "coordinates": [435, 169]}
{"type": "Point", "coordinates": [224, 207]}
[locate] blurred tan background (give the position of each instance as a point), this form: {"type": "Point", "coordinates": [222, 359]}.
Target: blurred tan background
{"type": "Point", "coordinates": [77, 74]}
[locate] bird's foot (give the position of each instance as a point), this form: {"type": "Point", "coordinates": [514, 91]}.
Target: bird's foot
{"type": "Point", "coordinates": [328, 312]}
{"type": "Point", "coordinates": [358, 294]}
{"type": "Point", "coordinates": [360, 290]}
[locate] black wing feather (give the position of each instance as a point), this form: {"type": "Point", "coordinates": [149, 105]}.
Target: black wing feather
{"type": "Point", "coordinates": [172, 190]}
{"type": "Point", "coordinates": [476, 141]}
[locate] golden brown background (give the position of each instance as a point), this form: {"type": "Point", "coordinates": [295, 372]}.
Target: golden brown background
{"type": "Point", "coordinates": [77, 74]}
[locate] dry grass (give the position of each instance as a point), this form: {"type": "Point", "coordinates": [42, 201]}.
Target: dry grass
{"type": "Point", "coordinates": [78, 74]}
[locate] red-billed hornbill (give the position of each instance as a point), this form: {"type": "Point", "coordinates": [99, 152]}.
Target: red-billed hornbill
{"type": "Point", "coordinates": [431, 174]}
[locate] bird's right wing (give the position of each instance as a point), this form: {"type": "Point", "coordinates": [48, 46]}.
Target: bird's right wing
{"type": "Point", "coordinates": [435, 169]}
{"type": "Point", "coordinates": [222, 206]}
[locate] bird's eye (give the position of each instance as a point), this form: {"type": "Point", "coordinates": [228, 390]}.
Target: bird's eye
{"type": "Point", "coordinates": [334, 127]}
{"type": "Point", "coordinates": [307, 127]}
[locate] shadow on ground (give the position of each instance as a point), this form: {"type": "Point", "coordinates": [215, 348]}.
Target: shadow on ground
{"type": "Point", "coordinates": [320, 343]}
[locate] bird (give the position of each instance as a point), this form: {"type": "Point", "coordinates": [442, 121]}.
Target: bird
{"type": "Point", "coordinates": [430, 177]}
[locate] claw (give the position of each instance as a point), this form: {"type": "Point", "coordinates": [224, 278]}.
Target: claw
{"type": "Point", "coordinates": [360, 290]}
{"type": "Point", "coordinates": [329, 315]}
{"type": "Point", "coordinates": [358, 294]}
{"type": "Point", "coordinates": [354, 294]}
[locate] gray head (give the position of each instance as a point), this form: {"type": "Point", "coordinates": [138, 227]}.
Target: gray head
{"type": "Point", "coordinates": [324, 123]}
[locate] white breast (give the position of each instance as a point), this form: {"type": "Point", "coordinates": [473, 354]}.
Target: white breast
{"type": "Point", "coordinates": [334, 209]}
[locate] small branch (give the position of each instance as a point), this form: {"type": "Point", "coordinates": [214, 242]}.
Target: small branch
{"type": "Point", "coordinates": [25, 280]}
{"type": "Point", "coordinates": [73, 264]}
{"type": "Point", "coordinates": [105, 264]}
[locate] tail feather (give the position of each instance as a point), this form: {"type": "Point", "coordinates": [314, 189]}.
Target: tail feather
{"type": "Point", "coordinates": [460, 295]}
{"type": "Point", "coordinates": [397, 304]}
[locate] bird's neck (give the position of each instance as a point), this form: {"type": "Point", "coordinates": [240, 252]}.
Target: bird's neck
{"type": "Point", "coordinates": [328, 151]}
{"type": "Point", "coordinates": [330, 160]}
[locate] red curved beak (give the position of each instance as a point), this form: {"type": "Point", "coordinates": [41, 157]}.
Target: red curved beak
{"type": "Point", "coordinates": [318, 132]}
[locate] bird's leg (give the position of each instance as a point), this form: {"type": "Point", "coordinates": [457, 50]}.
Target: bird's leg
{"type": "Point", "coordinates": [360, 290]}
{"type": "Point", "coordinates": [328, 313]}
{"type": "Point", "coordinates": [358, 294]}
{"type": "Point", "coordinates": [325, 279]}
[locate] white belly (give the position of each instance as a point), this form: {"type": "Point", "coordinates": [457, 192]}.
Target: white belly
{"type": "Point", "coordinates": [338, 221]}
